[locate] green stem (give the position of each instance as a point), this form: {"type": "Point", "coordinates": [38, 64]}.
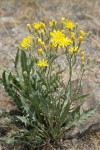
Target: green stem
{"type": "Point", "coordinates": [70, 75]}
{"type": "Point", "coordinates": [80, 81]}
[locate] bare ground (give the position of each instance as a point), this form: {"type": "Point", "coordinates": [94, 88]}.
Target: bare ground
{"type": "Point", "coordinates": [15, 14]}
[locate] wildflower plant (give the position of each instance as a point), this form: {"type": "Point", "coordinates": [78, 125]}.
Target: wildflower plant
{"type": "Point", "coordinates": [45, 101]}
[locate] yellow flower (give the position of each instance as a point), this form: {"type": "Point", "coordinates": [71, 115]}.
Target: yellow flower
{"type": "Point", "coordinates": [59, 39]}
{"type": "Point", "coordinates": [40, 51]}
{"type": "Point", "coordinates": [81, 38]}
{"type": "Point", "coordinates": [65, 42]}
{"type": "Point", "coordinates": [42, 25]}
{"type": "Point", "coordinates": [52, 23]}
{"type": "Point", "coordinates": [28, 26]}
{"type": "Point", "coordinates": [82, 33]}
{"type": "Point", "coordinates": [72, 34]}
{"type": "Point", "coordinates": [82, 58]}
{"type": "Point", "coordinates": [82, 53]}
{"type": "Point", "coordinates": [69, 24]}
{"type": "Point", "coordinates": [73, 49]}
{"type": "Point", "coordinates": [26, 42]}
{"type": "Point", "coordinates": [62, 19]}
{"type": "Point", "coordinates": [37, 26]}
{"type": "Point", "coordinates": [39, 40]}
{"type": "Point", "coordinates": [42, 44]}
{"type": "Point", "coordinates": [42, 63]}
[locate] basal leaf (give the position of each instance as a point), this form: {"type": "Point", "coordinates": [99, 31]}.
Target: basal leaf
{"type": "Point", "coordinates": [24, 61]}
{"type": "Point", "coordinates": [16, 59]}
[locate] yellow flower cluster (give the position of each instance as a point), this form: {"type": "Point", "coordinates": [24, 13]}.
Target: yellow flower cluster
{"type": "Point", "coordinates": [39, 25]}
{"type": "Point", "coordinates": [42, 63]}
{"type": "Point", "coordinates": [55, 38]}
{"type": "Point", "coordinates": [58, 38]}
{"type": "Point", "coordinates": [26, 42]}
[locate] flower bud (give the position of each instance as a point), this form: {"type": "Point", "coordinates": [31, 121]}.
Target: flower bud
{"type": "Point", "coordinates": [39, 40]}
{"type": "Point", "coordinates": [72, 34]}
{"type": "Point", "coordinates": [82, 53]}
{"type": "Point", "coordinates": [81, 38]}
{"type": "Point", "coordinates": [40, 51]}
{"type": "Point", "coordinates": [42, 44]}
{"type": "Point", "coordinates": [82, 33]}
{"type": "Point", "coordinates": [25, 73]}
{"type": "Point", "coordinates": [29, 27]}
{"type": "Point", "coordinates": [63, 19]}
{"type": "Point", "coordinates": [82, 58]}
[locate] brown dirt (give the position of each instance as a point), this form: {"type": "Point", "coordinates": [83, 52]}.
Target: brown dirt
{"type": "Point", "coordinates": [15, 14]}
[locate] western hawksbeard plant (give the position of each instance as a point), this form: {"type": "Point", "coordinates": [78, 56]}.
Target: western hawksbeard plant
{"type": "Point", "coordinates": [44, 101]}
